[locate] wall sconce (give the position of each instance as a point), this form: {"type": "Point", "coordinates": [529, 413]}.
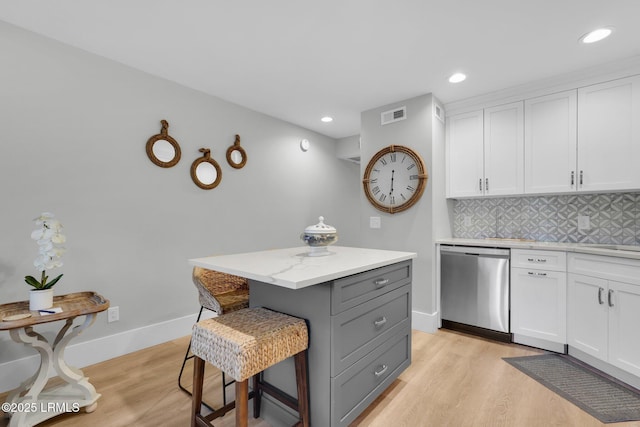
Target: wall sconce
{"type": "Point", "coordinates": [305, 144]}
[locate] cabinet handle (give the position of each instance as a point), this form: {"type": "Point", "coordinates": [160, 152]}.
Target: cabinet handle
{"type": "Point", "coordinates": [610, 297]}
{"type": "Point", "coordinates": [573, 177]}
{"type": "Point", "coordinates": [530, 259]}
{"type": "Point", "coordinates": [580, 177]}
{"type": "Point", "coordinates": [600, 291]}
{"type": "Point", "coordinates": [381, 282]}
{"type": "Point", "coordinates": [380, 322]}
{"type": "Point", "coordinates": [381, 371]}
{"type": "Point", "coordinates": [486, 184]}
{"type": "Point", "coordinates": [480, 184]}
{"type": "Point", "coordinates": [541, 260]}
{"type": "Point", "coordinates": [531, 273]}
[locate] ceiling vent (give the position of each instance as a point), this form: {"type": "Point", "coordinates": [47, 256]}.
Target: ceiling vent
{"type": "Point", "coordinates": [394, 115]}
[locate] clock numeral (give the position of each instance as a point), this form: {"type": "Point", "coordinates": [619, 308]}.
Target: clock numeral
{"type": "Point", "coordinates": [402, 195]}
{"type": "Point", "coordinates": [412, 177]}
{"type": "Point", "coordinates": [383, 197]}
{"type": "Point", "coordinates": [375, 180]}
{"type": "Point", "coordinates": [410, 188]}
{"type": "Point", "coordinates": [376, 170]}
{"type": "Point", "coordinates": [392, 200]}
{"type": "Point", "coordinates": [393, 157]}
{"type": "Point", "coordinates": [375, 190]}
{"type": "Point", "coordinates": [404, 158]}
{"type": "Point", "coordinates": [413, 165]}
{"type": "Point", "coordinates": [383, 161]}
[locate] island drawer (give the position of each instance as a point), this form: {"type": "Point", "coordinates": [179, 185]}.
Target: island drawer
{"type": "Point", "coordinates": [353, 290]}
{"type": "Point", "coordinates": [539, 260]}
{"type": "Point", "coordinates": [358, 386]}
{"type": "Point", "coordinates": [358, 331]}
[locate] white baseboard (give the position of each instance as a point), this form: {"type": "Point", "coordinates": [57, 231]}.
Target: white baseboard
{"type": "Point", "coordinates": [14, 372]}
{"type": "Point", "coordinates": [425, 322]}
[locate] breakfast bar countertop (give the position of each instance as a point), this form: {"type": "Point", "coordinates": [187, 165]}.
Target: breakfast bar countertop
{"type": "Point", "coordinates": [293, 268]}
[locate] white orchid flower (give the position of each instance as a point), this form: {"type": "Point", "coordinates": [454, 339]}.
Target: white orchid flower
{"type": "Point", "coordinates": [49, 238]}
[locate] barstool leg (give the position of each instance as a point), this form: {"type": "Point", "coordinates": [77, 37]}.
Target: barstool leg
{"type": "Point", "coordinates": [198, 379]}
{"type": "Point", "coordinates": [257, 395]}
{"type": "Point", "coordinates": [302, 383]}
{"type": "Point", "coordinates": [242, 403]}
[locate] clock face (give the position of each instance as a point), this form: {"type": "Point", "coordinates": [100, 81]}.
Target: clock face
{"type": "Point", "coordinates": [394, 179]}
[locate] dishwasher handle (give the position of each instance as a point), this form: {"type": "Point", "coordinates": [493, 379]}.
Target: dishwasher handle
{"type": "Point", "coordinates": [475, 251]}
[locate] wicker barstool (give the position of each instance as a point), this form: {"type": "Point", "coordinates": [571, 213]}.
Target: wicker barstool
{"type": "Point", "coordinates": [243, 344]}
{"type": "Point", "coordinates": [221, 293]}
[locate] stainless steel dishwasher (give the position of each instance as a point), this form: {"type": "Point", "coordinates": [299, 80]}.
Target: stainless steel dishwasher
{"type": "Point", "coordinates": [474, 285]}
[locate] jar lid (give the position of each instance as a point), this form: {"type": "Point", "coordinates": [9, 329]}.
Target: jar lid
{"type": "Point", "coordinates": [320, 228]}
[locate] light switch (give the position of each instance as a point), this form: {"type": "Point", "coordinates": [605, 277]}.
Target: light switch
{"type": "Point", "coordinates": [374, 222]}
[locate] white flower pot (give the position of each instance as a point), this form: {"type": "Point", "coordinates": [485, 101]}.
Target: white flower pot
{"type": "Point", "coordinates": [40, 299]}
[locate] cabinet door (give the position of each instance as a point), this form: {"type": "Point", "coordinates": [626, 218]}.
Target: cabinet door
{"type": "Point", "coordinates": [609, 135]}
{"type": "Point", "coordinates": [465, 170]}
{"type": "Point", "coordinates": [624, 335]}
{"type": "Point", "coordinates": [587, 315]}
{"type": "Point", "coordinates": [550, 143]}
{"type": "Point", "coordinates": [504, 149]}
{"type": "Point", "coordinates": [538, 304]}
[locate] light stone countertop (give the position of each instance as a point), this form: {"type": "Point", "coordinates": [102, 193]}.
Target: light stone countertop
{"type": "Point", "coordinates": [293, 268]}
{"type": "Point", "coordinates": [622, 251]}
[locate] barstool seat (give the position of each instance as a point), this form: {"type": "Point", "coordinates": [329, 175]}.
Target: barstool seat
{"type": "Point", "coordinates": [242, 344]}
{"type": "Point", "coordinates": [221, 293]}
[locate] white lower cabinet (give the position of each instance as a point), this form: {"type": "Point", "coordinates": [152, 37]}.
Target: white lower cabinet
{"type": "Point", "coordinates": [539, 298]}
{"type": "Point", "coordinates": [604, 313]}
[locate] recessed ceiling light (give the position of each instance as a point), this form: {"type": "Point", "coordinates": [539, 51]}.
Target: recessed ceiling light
{"type": "Point", "coordinates": [327, 119]}
{"type": "Point", "coordinates": [596, 35]}
{"type": "Point", "coordinates": [457, 78]}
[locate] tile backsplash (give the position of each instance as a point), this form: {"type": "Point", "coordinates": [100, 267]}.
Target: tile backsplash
{"type": "Point", "coordinates": [614, 218]}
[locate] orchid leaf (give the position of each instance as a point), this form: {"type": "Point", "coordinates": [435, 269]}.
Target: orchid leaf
{"type": "Point", "coordinates": [53, 282]}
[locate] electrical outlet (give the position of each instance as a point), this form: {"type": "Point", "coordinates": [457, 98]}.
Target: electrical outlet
{"type": "Point", "coordinates": [374, 222]}
{"type": "Point", "coordinates": [113, 314]}
{"type": "Point", "coordinates": [584, 222]}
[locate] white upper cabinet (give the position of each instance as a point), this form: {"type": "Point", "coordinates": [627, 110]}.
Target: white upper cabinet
{"type": "Point", "coordinates": [485, 151]}
{"type": "Point", "coordinates": [465, 164]}
{"type": "Point", "coordinates": [550, 138]}
{"type": "Point", "coordinates": [609, 135]}
{"type": "Point", "coordinates": [504, 149]}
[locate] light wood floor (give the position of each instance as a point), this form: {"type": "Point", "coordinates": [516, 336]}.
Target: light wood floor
{"type": "Point", "coordinates": [454, 380]}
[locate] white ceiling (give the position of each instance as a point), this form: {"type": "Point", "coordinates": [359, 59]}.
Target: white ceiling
{"type": "Point", "coordinates": [299, 60]}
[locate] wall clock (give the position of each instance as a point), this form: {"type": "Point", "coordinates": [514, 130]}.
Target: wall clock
{"type": "Point", "coordinates": [394, 179]}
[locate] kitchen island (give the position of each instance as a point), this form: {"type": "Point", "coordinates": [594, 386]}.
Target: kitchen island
{"type": "Point", "coordinates": [357, 303]}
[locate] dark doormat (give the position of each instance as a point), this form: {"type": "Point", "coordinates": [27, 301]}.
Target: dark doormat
{"type": "Point", "coordinates": [586, 388]}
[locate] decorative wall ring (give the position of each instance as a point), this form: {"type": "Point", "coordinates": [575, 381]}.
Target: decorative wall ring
{"type": "Point", "coordinates": [206, 172]}
{"type": "Point", "coordinates": [162, 149]}
{"type": "Point", "coordinates": [236, 156]}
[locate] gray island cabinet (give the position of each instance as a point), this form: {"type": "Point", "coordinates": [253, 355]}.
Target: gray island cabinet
{"type": "Point", "coordinates": [357, 303]}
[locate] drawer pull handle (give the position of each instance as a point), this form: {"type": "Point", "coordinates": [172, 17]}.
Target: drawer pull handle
{"type": "Point", "coordinates": [381, 371]}
{"type": "Point", "coordinates": [600, 290]}
{"type": "Point", "coordinates": [381, 282]}
{"type": "Point", "coordinates": [380, 322]}
{"type": "Point", "coordinates": [610, 297]}
{"type": "Point", "coordinates": [530, 259]}
{"type": "Point", "coordinates": [541, 260]}
{"type": "Point", "coordinates": [531, 273]}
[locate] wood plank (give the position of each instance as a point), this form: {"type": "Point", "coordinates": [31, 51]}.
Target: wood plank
{"type": "Point", "coordinates": [454, 380]}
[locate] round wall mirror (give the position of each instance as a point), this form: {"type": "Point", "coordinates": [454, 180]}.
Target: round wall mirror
{"type": "Point", "coordinates": [236, 156]}
{"type": "Point", "coordinates": [162, 149]}
{"type": "Point", "coordinates": [205, 171]}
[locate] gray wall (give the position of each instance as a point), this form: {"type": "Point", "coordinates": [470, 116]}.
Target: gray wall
{"type": "Point", "coordinates": [73, 133]}
{"type": "Point", "coordinates": [410, 230]}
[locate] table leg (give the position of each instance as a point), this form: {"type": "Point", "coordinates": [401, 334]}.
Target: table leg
{"type": "Point", "coordinates": [76, 393]}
